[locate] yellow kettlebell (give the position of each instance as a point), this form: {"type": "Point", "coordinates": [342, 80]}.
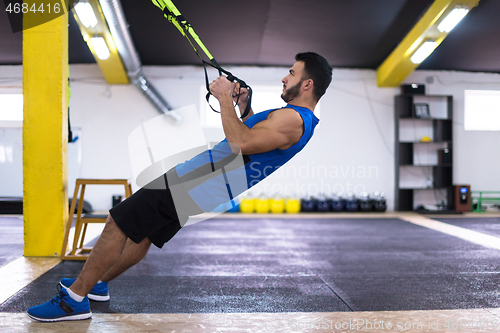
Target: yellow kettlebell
{"type": "Point", "coordinates": [277, 205]}
{"type": "Point", "coordinates": [247, 206]}
{"type": "Point", "coordinates": [262, 205]}
{"type": "Point", "coordinates": [292, 206]}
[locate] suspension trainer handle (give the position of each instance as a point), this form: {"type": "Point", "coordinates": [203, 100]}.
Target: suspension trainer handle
{"type": "Point", "coordinates": [174, 16]}
{"type": "Point", "coordinates": [247, 108]}
{"type": "Point", "coordinates": [232, 78]}
{"type": "Point", "coordinates": [242, 83]}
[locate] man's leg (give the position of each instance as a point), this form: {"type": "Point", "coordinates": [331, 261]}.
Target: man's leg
{"type": "Point", "coordinates": [103, 256]}
{"type": "Point", "coordinates": [111, 255]}
{"type": "Point", "coordinates": [131, 255]}
{"type": "Point", "coordinates": [72, 303]}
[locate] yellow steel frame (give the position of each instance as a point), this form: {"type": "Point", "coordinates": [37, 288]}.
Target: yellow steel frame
{"type": "Point", "coordinates": [398, 66]}
{"type": "Point", "coordinates": [112, 68]}
{"type": "Point", "coordinates": [45, 134]}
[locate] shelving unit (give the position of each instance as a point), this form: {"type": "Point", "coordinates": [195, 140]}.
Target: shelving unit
{"type": "Point", "coordinates": [418, 169]}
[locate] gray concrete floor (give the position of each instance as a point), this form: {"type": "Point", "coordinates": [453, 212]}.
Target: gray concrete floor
{"type": "Point", "coordinates": [298, 265]}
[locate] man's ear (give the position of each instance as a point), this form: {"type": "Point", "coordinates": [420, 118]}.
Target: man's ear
{"type": "Point", "coordinates": [308, 84]}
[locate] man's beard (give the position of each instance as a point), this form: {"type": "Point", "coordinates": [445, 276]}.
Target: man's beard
{"type": "Point", "coordinates": [292, 92]}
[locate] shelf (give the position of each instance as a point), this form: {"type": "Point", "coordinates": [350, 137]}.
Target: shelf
{"type": "Point", "coordinates": [424, 96]}
{"type": "Point", "coordinates": [439, 127]}
{"type": "Point", "coordinates": [431, 118]}
{"type": "Point", "coordinates": [426, 142]}
{"type": "Point", "coordinates": [444, 165]}
{"type": "Point", "coordinates": [424, 188]}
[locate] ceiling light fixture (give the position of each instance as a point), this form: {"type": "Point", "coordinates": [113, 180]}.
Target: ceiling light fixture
{"type": "Point", "coordinates": [95, 32]}
{"type": "Point", "coordinates": [426, 35]}
{"type": "Point", "coordinates": [86, 14]}
{"type": "Point", "coordinates": [100, 47]}
{"type": "Point", "coordinates": [452, 19]}
{"type": "Point", "coordinates": [423, 52]}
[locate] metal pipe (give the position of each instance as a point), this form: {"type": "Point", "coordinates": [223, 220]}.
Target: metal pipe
{"type": "Point", "coordinates": [113, 12]}
{"type": "Point", "coordinates": [154, 97]}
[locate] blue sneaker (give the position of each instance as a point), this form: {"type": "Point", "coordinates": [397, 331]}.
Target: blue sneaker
{"type": "Point", "coordinates": [99, 293]}
{"type": "Point", "coordinates": [61, 307]}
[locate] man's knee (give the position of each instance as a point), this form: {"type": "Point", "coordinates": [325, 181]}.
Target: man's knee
{"type": "Point", "coordinates": [112, 226]}
{"type": "Point", "coordinates": [110, 220]}
{"type": "Point", "coordinates": [145, 243]}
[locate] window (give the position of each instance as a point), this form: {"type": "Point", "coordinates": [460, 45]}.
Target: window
{"type": "Point", "coordinates": [264, 98]}
{"type": "Point", "coordinates": [482, 110]}
{"type": "Point", "coordinates": [11, 107]}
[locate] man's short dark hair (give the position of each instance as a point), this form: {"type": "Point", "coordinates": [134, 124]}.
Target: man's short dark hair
{"type": "Point", "coordinates": [317, 69]}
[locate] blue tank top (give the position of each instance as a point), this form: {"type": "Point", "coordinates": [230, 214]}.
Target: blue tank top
{"type": "Point", "coordinates": [263, 164]}
{"type": "Point", "coordinates": [209, 178]}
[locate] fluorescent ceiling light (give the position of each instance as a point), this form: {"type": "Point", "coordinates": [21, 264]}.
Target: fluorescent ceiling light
{"type": "Point", "coordinates": [86, 14]}
{"type": "Point", "coordinates": [450, 21]}
{"type": "Point", "coordinates": [423, 52]}
{"type": "Point", "coordinates": [100, 47]}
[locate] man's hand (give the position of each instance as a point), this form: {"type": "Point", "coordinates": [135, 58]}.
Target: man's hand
{"type": "Point", "coordinates": [228, 92]}
{"type": "Point", "coordinates": [240, 97]}
{"type": "Point", "coordinates": [221, 88]}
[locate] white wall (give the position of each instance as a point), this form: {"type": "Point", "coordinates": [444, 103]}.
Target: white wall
{"type": "Point", "coordinates": [352, 149]}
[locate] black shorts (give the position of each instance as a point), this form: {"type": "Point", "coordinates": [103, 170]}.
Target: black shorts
{"type": "Point", "coordinates": [151, 213]}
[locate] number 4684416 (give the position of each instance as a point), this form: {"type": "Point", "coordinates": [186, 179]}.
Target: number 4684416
{"type": "Point", "coordinates": [24, 8]}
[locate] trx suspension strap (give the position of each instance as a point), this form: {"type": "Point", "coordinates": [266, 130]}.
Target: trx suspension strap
{"type": "Point", "coordinates": [174, 16]}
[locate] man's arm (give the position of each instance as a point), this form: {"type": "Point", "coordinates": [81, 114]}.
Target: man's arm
{"type": "Point", "coordinates": [281, 129]}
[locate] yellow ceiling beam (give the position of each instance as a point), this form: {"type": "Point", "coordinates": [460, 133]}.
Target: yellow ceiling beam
{"type": "Point", "coordinates": [398, 65]}
{"type": "Point", "coordinates": [112, 68]}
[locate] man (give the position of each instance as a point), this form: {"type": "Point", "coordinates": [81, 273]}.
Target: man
{"type": "Point", "coordinates": [266, 140]}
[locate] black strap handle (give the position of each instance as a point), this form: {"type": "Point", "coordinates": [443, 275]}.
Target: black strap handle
{"type": "Point", "coordinates": [231, 78]}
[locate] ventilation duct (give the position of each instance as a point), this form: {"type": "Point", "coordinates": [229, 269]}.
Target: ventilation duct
{"type": "Point", "coordinates": [113, 12]}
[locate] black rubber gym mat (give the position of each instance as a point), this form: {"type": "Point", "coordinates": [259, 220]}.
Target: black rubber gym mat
{"type": "Point", "coordinates": [295, 265]}
{"type": "Point", "coordinates": [487, 225]}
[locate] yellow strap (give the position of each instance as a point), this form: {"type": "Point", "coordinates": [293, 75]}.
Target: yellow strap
{"type": "Point", "coordinates": [182, 26]}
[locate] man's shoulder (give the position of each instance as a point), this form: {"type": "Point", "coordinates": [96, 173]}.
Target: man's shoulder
{"type": "Point", "coordinates": [288, 115]}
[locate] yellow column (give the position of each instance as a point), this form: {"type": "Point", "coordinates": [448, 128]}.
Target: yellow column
{"type": "Point", "coordinates": [45, 135]}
